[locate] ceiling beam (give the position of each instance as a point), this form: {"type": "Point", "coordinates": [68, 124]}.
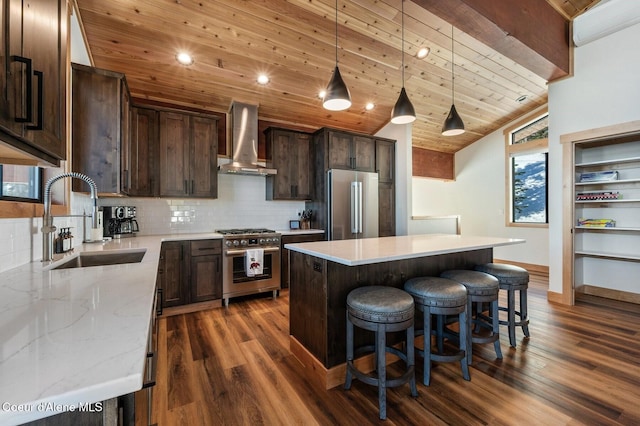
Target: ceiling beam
{"type": "Point", "coordinates": [530, 32]}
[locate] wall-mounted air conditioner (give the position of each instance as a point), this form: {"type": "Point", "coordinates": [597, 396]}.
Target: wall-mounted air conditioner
{"type": "Point", "coordinates": [607, 17]}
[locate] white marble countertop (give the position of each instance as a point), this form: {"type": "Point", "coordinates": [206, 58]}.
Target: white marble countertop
{"type": "Point", "coordinates": [76, 336]}
{"type": "Point", "coordinates": [376, 250]}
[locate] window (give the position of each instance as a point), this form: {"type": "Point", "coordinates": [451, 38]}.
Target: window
{"type": "Point", "coordinates": [527, 164]}
{"type": "Point", "coordinates": [20, 183]}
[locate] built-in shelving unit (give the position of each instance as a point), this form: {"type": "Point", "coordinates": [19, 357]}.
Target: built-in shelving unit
{"type": "Point", "coordinates": [605, 186]}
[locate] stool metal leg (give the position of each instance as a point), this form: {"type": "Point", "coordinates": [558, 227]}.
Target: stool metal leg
{"type": "Point", "coordinates": [524, 315]}
{"type": "Point", "coordinates": [511, 316]}
{"type": "Point", "coordinates": [411, 359]}
{"type": "Point", "coordinates": [381, 345]}
{"type": "Point", "coordinates": [496, 326]}
{"type": "Point", "coordinates": [347, 382]}
{"type": "Point", "coordinates": [463, 344]}
{"type": "Point", "coordinates": [469, 331]}
{"type": "Point", "coordinates": [426, 376]}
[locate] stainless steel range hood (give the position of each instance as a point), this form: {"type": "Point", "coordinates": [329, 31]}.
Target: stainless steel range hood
{"type": "Point", "coordinates": [244, 142]}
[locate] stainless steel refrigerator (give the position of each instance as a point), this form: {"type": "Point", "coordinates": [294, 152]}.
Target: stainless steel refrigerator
{"type": "Point", "coordinates": [353, 204]}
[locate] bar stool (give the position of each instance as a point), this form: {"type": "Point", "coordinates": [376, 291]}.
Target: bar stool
{"type": "Point", "coordinates": [481, 288]}
{"type": "Point", "coordinates": [440, 297]}
{"type": "Point", "coordinates": [511, 278]}
{"type": "Point", "coordinates": [381, 309]}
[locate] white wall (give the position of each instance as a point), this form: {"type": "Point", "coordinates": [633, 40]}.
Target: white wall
{"type": "Point", "coordinates": [478, 196]}
{"type": "Point", "coordinates": [402, 135]}
{"type": "Point", "coordinates": [604, 91]}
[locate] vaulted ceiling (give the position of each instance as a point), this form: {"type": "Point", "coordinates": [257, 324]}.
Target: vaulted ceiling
{"type": "Point", "coordinates": [504, 54]}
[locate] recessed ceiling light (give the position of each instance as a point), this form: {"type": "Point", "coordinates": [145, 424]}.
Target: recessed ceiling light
{"type": "Point", "coordinates": [369, 106]}
{"type": "Point", "coordinates": [522, 98]}
{"type": "Point", "coordinates": [184, 58]}
{"type": "Point", "coordinates": [423, 53]}
{"type": "Point", "coordinates": [322, 94]}
{"type": "Point", "coordinates": [263, 79]}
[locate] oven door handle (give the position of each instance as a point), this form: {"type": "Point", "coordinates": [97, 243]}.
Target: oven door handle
{"type": "Point", "coordinates": [242, 252]}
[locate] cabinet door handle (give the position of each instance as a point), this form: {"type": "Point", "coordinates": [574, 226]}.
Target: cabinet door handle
{"type": "Point", "coordinates": [151, 381]}
{"type": "Point", "coordinates": [192, 186]}
{"type": "Point", "coordinates": [160, 302]}
{"type": "Point", "coordinates": [40, 76]}
{"type": "Point", "coordinates": [29, 95]}
{"type": "Point", "coordinates": [186, 187]}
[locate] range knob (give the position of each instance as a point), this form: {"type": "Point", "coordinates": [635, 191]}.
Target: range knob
{"type": "Point", "coordinates": [275, 240]}
{"type": "Point", "coordinates": [236, 243]}
{"type": "Point", "coordinates": [244, 242]}
{"type": "Point", "coordinates": [262, 241]}
{"type": "Point", "coordinates": [228, 243]}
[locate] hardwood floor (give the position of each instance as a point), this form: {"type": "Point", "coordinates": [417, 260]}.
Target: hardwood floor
{"type": "Point", "coordinates": [233, 367]}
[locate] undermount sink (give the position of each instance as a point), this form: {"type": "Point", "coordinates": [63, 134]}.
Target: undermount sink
{"type": "Point", "coordinates": [87, 259]}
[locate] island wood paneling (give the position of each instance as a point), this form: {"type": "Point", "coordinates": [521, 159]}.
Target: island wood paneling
{"type": "Point", "coordinates": [319, 288]}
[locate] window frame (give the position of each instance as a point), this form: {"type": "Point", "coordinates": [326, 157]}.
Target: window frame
{"type": "Point", "coordinates": [514, 150]}
{"type": "Point", "coordinates": [39, 176]}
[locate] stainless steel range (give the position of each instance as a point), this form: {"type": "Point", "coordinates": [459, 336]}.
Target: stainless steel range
{"type": "Point", "coordinates": [237, 277]}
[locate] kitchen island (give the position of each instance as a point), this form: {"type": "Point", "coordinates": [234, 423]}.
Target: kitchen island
{"type": "Point", "coordinates": [324, 272]}
{"type": "Point", "coordinates": [74, 337]}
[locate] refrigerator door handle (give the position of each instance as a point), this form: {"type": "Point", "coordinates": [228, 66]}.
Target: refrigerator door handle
{"type": "Point", "coordinates": [354, 207]}
{"type": "Point", "coordinates": [360, 229]}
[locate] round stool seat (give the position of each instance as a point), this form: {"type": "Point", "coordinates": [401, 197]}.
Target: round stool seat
{"type": "Point", "coordinates": [436, 292]}
{"type": "Point", "coordinates": [477, 283]}
{"type": "Point", "coordinates": [380, 304]}
{"type": "Point", "coordinates": [440, 298]}
{"type": "Point", "coordinates": [506, 274]}
{"type": "Point", "coordinates": [511, 278]}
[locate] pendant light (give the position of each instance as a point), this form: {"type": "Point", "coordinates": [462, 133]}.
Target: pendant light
{"type": "Point", "coordinates": [403, 112]}
{"type": "Point", "coordinates": [453, 125]}
{"type": "Point", "coordinates": [337, 97]}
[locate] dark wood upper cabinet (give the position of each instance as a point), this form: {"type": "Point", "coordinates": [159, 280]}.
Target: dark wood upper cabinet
{"type": "Point", "coordinates": [188, 155]}
{"type": "Point", "coordinates": [386, 160]}
{"type": "Point", "coordinates": [349, 151]}
{"type": "Point", "coordinates": [33, 48]}
{"type": "Point", "coordinates": [289, 152]}
{"type": "Point", "coordinates": [140, 169]}
{"type": "Point", "coordinates": [100, 128]}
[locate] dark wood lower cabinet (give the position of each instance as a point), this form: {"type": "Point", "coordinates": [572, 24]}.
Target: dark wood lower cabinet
{"type": "Point", "coordinates": [190, 271]}
{"type": "Point", "coordinates": [284, 257]}
{"type": "Point", "coordinates": [206, 270]}
{"type": "Point", "coordinates": [171, 272]}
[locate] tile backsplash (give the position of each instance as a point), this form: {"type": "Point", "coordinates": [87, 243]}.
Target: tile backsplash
{"type": "Point", "coordinates": [241, 203]}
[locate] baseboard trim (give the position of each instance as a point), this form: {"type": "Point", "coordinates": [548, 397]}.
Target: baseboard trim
{"type": "Point", "coordinates": [608, 293]}
{"type": "Point", "coordinates": [328, 378]}
{"type": "Point", "coordinates": [532, 268]}
{"type": "Point", "coordinates": [191, 307]}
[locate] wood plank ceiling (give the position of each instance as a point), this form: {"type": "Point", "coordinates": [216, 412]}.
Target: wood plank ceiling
{"type": "Point", "coordinates": [294, 42]}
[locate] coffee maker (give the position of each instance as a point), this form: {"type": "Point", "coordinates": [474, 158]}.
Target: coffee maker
{"type": "Point", "coordinates": [120, 221]}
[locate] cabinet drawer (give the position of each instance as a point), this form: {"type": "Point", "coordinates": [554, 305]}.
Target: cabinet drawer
{"type": "Point", "coordinates": [206, 247]}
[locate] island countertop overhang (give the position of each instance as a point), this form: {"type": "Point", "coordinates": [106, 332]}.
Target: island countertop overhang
{"type": "Point", "coordinates": [384, 249]}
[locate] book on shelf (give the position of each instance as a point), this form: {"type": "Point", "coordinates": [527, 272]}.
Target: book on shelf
{"type": "Point", "coordinates": [598, 196]}
{"type": "Point", "coordinates": [597, 223]}
{"type": "Point", "coordinates": [605, 176]}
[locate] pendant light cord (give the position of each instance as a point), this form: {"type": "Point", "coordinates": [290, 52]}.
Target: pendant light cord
{"type": "Point", "coordinates": [453, 78]}
{"type": "Point", "coordinates": [336, 33]}
{"type": "Point", "coordinates": [402, 43]}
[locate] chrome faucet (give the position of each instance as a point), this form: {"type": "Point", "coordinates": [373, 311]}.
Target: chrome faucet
{"type": "Point", "coordinates": [47, 220]}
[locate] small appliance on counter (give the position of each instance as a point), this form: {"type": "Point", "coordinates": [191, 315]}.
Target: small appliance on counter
{"type": "Point", "coordinates": [120, 221]}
